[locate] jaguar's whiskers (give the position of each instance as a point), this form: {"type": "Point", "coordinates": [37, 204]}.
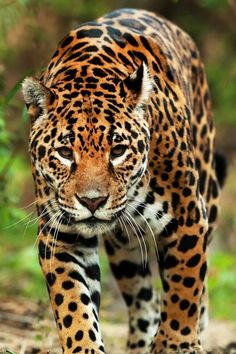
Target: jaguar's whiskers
{"type": "Point", "coordinates": [138, 231]}
{"type": "Point", "coordinates": [148, 225]}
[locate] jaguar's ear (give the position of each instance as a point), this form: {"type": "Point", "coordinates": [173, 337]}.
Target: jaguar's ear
{"type": "Point", "coordinates": [140, 85]}
{"type": "Point", "coordinates": [36, 96]}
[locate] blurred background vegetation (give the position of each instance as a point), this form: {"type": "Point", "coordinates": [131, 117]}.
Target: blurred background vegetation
{"type": "Point", "coordinates": [29, 32]}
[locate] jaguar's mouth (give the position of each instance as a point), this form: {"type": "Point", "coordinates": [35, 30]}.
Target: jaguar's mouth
{"type": "Point", "coordinates": [93, 221]}
{"type": "Point", "coordinates": [89, 225]}
{"type": "Point", "coordinates": [94, 226]}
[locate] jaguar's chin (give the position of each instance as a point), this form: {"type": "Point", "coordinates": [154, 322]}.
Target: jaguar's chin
{"type": "Point", "coordinates": [94, 226]}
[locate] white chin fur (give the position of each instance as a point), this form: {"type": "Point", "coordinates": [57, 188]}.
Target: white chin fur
{"type": "Point", "coordinates": [96, 229]}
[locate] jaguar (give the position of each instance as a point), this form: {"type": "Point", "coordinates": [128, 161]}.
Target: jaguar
{"type": "Point", "coordinates": [122, 152]}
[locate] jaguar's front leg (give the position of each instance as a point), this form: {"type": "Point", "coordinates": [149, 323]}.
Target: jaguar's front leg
{"type": "Point", "coordinates": [72, 274]}
{"type": "Point", "coordinates": [134, 280]}
{"type": "Point", "coordinates": [183, 267]}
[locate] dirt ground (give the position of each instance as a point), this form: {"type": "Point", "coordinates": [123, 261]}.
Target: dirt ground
{"type": "Point", "coordinates": [27, 327]}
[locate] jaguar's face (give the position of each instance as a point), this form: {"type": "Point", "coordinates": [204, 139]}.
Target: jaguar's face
{"type": "Point", "coordinates": [89, 155]}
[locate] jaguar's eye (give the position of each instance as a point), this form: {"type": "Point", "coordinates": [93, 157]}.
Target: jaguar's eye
{"type": "Point", "coordinates": [118, 151]}
{"type": "Point", "coordinates": [65, 152]}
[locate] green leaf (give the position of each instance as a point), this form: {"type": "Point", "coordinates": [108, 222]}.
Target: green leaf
{"type": "Point", "coordinates": [13, 91]}
{"type": "Point", "coordinates": [24, 115]}
{"type": "Point", "coordinates": [23, 2]}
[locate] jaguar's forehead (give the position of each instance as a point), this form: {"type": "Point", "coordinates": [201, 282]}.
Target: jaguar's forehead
{"type": "Point", "coordinates": [85, 111]}
{"type": "Point", "coordinates": [91, 88]}
{"type": "Point", "coordinates": [91, 103]}
{"type": "Point", "coordinates": [88, 118]}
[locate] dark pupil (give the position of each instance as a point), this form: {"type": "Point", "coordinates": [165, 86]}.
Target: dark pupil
{"type": "Point", "coordinates": [65, 152]}
{"type": "Point", "coordinates": [118, 150]}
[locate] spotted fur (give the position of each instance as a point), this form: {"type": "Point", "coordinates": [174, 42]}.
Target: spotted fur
{"type": "Point", "coordinates": [122, 148]}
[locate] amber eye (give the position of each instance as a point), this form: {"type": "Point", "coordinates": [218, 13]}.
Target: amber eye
{"type": "Point", "coordinates": [118, 151]}
{"type": "Point", "coordinates": [65, 152]}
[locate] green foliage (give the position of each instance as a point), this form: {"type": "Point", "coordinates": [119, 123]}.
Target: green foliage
{"type": "Point", "coordinates": [222, 285]}
{"type": "Point", "coordinates": [83, 10]}
{"type": "Point", "coordinates": [14, 258]}
{"type": "Point", "coordinates": [10, 161]}
{"type": "Point", "coordinates": [213, 4]}
{"type": "Point", "coordinates": [13, 172]}
{"type": "Point", "coordinates": [210, 4]}
{"type": "Point", "coordinates": [223, 88]}
{"type": "Point", "coordinates": [10, 13]}
{"type": "Point", "coordinates": [23, 263]}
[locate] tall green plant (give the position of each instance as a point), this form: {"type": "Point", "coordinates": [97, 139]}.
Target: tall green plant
{"type": "Point", "coordinates": [8, 155]}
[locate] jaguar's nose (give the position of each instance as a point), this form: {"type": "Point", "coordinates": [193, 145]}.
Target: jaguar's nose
{"type": "Point", "coordinates": [92, 203]}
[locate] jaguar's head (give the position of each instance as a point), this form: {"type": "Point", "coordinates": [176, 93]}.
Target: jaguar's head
{"type": "Point", "coordinates": [89, 148]}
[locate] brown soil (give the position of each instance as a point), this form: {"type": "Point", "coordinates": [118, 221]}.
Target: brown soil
{"type": "Point", "coordinates": [27, 327]}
